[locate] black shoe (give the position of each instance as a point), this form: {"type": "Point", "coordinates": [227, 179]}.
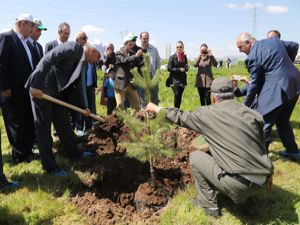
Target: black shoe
{"type": "Point", "coordinates": [215, 212]}
{"type": "Point", "coordinates": [5, 184]}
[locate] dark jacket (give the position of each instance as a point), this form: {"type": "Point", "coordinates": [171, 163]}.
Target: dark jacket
{"type": "Point", "coordinates": [125, 62]}
{"type": "Point", "coordinates": [176, 77]}
{"type": "Point", "coordinates": [50, 45]}
{"type": "Point", "coordinates": [15, 66]}
{"type": "Point", "coordinates": [54, 71]}
{"type": "Point", "coordinates": [273, 74]}
{"type": "Point", "coordinates": [234, 134]}
{"type": "Point", "coordinates": [204, 76]}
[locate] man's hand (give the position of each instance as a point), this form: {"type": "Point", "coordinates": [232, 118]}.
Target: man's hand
{"type": "Point", "coordinates": [87, 112]}
{"type": "Point", "coordinates": [245, 80]}
{"type": "Point", "coordinates": [6, 93]}
{"type": "Point", "coordinates": [36, 93]}
{"type": "Point", "coordinates": [153, 108]}
{"type": "Point", "coordinates": [138, 53]}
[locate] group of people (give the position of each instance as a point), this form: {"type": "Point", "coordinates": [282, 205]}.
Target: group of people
{"type": "Point", "coordinates": [238, 135]}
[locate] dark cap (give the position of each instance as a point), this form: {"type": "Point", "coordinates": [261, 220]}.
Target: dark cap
{"type": "Point", "coordinates": [221, 85]}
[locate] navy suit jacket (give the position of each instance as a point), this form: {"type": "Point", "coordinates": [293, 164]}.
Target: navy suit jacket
{"type": "Point", "coordinates": [50, 45]}
{"type": "Point", "coordinates": [15, 66]}
{"type": "Point", "coordinates": [274, 78]}
{"type": "Point", "coordinates": [54, 71]}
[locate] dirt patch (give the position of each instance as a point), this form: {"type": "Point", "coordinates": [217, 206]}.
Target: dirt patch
{"type": "Point", "coordinates": [117, 189]}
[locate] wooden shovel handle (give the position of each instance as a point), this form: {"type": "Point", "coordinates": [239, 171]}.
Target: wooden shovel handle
{"type": "Point", "coordinates": [70, 106]}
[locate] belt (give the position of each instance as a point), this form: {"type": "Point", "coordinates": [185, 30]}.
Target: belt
{"type": "Point", "coordinates": [241, 179]}
{"type": "Point", "coordinates": [244, 181]}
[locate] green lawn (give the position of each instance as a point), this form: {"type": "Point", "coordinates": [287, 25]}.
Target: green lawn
{"type": "Point", "coordinates": [43, 199]}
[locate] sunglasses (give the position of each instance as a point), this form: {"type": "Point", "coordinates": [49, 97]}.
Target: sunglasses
{"type": "Point", "coordinates": [84, 38]}
{"type": "Point", "coordinates": [178, 46]}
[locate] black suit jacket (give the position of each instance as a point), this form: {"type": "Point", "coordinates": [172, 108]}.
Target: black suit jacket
{"type": "Point", "coordinates": [176, 77]}
{"type": "Point", "coordinates": [55, 69]}
{"type": "Point", "coordinates": [41, 52]}
{"type": "Point", "coordinates": [50, 45]}
{"type": "Point", "coordinates": [15, 66]}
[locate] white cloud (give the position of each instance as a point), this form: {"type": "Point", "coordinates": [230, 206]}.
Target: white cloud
{"type": "Point", "coordinates": [246, 5]}
{"type": "Point", "coordinates": [92, 29]}
{"type": "Point", "coordinates": [231, 5]}
{"type": "Point", "coordinates": [277, 9]}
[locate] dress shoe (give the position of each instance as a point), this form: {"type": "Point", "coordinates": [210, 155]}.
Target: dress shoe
{"type": "Point", "coordinates": [61, 173]}
{"type": "Point", "coordinates": [211, 211]}
{"type": "Point", "coordinates": [86, 154]}
{"type": "Point", "coordinates": [293, 156]}
{"type": "Point", "coordinates": [5, 184]}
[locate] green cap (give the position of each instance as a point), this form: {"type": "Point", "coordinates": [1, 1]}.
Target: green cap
{"type": "Point", "coordinates": [221, 85]}
{"type": "Point", "coordinates": [39, 25]}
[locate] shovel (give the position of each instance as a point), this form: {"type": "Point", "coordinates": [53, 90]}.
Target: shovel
{"type": "Point", "coordinates": [70, 106]}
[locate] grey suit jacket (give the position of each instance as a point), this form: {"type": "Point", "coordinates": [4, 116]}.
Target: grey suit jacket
{"type": "Point", "coordinates": [56, 68]}
{"type": "Point", "coordinates": [50, 45]}
{"type": "Point", "coordinates": [125, 62]}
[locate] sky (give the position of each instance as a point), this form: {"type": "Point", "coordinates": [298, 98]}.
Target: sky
{"type": "Point", "coordinates": [214, 22]}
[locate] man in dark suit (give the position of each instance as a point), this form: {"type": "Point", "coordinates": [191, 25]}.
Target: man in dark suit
{"type": "Point", "coordinates": [37, 49]}
{"type": "Point", "coordinates": [16, 65]}
{"type": "Point", "coordinates": [4, 183]}
{"type": "Point", "coordinates": [276, 83]}
{"type": "Point", "coordinates": [58, 75]}
{"type": "Point", "coordinates": [63, 36]}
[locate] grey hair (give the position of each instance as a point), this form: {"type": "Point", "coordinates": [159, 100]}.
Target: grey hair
{"type": "Point", "coordinates": [246, 37]}
{"type": "Point", "coordinates": [223, 96]}
{"type": "Point", "coordinates": [62, 25]}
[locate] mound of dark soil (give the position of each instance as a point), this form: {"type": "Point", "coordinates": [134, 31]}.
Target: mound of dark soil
{"type": "Point", "coordinates": [117, 188]}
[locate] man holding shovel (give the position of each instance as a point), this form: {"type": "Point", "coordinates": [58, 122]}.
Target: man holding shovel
{"type": "Point", "coordinates": [57, 75]}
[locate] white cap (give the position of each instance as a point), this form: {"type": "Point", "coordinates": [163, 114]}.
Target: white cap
{"type": "Point", "coordinates": [129, 37]}
{"type": "Point", "coordinates": [25, 17]}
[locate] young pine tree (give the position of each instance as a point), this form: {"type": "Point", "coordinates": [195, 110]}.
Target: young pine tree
{"type": "Point", "coordinates": [146, 140]}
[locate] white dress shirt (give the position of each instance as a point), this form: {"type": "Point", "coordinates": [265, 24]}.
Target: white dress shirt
{"type": "Point", "coordinates": [23, 41]}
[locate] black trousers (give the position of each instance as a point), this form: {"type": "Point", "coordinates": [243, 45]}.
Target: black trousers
{"type": "Point", "coordinates": [204, 94]}
{"type": "Point", "coordinates": [1, 162]}
{"type": "Point", "coordinates": [111, 105]}
{"type": "Point", "coordinates": [18, 120]}
{"type": "Point", "coordinates": [178, 91]}
{"type": "Point", "coordinates": [281, 117]}
{"type": "Point", "coordinates": [44, 113]}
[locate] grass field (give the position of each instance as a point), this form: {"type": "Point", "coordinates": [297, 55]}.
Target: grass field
{"type": "Point", "coordinates": [43, 199]}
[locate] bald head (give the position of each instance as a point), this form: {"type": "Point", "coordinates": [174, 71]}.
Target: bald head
{"type": "Point", "coordinates": [273, 33]}
{"type": "Point", "coordinates": [244, 42]}
{"type": "Point", "coordinates": [92, 55]}
{"type": "Point", "coordinates": [81, 38]}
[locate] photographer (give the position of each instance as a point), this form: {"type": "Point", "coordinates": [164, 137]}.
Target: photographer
{"type": "Point", "coordinates": [127, 59]}
{"type": "Point", "coordinates": [204, 76]}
